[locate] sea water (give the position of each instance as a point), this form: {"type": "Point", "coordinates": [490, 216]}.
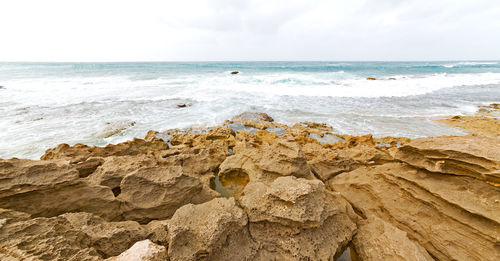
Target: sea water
{"type": "Point", "coordinates": [45, 104]}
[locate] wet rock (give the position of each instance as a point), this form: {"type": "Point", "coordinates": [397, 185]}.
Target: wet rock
{"type": "Point", "coordinates": [142, 251]}
{"type": "Point", "coordinates": [253, 116]}
{"type": "Point", "coordinates": [215, 230]}
{"type": "Point", "coordinates": [486, 121]}
{"type": "Point", "coordinates": [182, 105]}
{"type": "Point", "coordinates": [235, 72]}
{"type": "Point", "coordinates": [276, 130]}
{"type": "Point", "coordinates": [238, 126]}
{"type": "Point", "coordinates": [326, 138]}
{"type": "Point", "coordinates": [437, 211]}
{"type": "Point", "coordinates": [156, 193]}
{"type": "Point", "coordinates": [371, 78]}
{"type": "Point", "coordinates": [379, 240]}
{"type": "Point", "coordinates": [113, 128]}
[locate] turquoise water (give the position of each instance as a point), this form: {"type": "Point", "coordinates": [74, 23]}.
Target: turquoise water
{"type": "Point", "coordinates": [44, 104]}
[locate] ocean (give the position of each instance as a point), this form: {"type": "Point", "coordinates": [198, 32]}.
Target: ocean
{"type": "Point", "coordinates": [45, 104]}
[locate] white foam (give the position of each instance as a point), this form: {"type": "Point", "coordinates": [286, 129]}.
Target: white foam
{"type": "Point", "coordinates": [308, 85]}
{"type": "Point", "coordinates": [468, 64]}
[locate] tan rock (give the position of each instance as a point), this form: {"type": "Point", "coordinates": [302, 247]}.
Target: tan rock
{"type": "Point", "coordinates": [267, 162]}
{"type": "Point", "coordinates": [379, 240]}
{"type": "Point", "coordinates": [474, 156]}
{"type": "Point", "coordinates": [43, 188]}
{"type": "Point", "coordinates": [115, 168]}
{"type": "Point", "coordinates": [215, 230]}
{"type": "Point", "coordinates": [485, 122]}
{"type": "Point", "coordinates": [157, 192]}
{"type": "Point", "coordinates": [452, 217]}
{"type": "Point", "coordinates": [297, 219]}
{"type": "Point", "coordinates": [107, 238]}
{"type": "Point", "coordinates": [143, 251]}
{"type": "Point", "coordinates": [80, 152]}
{"type": "Point", "coordinates": [44, 239]}
{"type": "Point", "coordinates": [158, 232]}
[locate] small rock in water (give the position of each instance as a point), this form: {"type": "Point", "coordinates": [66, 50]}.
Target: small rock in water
{"type": "Point", "coordinates": [392, 78]}
{"type": "Point", "coordinates": [253, 116]}
{"type": "Point", "coordinates": [114, 128]}
{"type": "Point", "coordinates": [235, 72]}
{"type": "Point", "coordinates": [181, 105]}
{"type": "Point", "coordinates": [1, 87]}
{"type": "Point", "coordinates": [371, 78]}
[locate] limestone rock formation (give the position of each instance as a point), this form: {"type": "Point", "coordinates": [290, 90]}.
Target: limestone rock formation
{"type": "Point", "coordinates": [379, 240]}
{"type": "Point", "coordinates": [46, 189]}
{"type": "Point", "coordinates": [155, 193]}
{"type": "Point", "coordinates": [254, 189]}
{"type": "Point", "coordinates": [215, 230]}
{"type": "Point", "coordinates": [295, 218]}
{"type": "Point", "coordinates": [474, 156]}
{"type": "Point", "coordinates": [452, 217]}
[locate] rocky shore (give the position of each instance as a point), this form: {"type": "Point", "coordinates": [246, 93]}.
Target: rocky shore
{"type": "Point", "coordinates": [254, 189]}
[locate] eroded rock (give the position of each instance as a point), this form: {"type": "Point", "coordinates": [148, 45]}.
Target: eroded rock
{"type": "Point", "coordinates": [474, 156]}
{"type": "Point", "coordinates": [379, 240]}
{"type": "Point", "coordinates": [215, 230]}
{"type": "Point", "coordinates": [440, 217]}
{"type": "Point", "coordinates": [295, 218]}
{"type": "Point", "coordinates": [143, 251]}
{"type": "Point", "coordinates": [156, 193]}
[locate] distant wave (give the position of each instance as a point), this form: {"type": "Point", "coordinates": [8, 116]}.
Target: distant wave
{"type": "Point", "coordinates": [460, 64]}
{"type": "Point", "coordinates": [305, 85]}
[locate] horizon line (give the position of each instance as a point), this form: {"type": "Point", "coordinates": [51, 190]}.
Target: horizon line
{"type": "Point", "coordinates": [232, 61]}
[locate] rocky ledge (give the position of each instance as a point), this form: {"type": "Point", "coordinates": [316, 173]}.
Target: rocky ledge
{"type": "Point", "coordinates": [253, 189]}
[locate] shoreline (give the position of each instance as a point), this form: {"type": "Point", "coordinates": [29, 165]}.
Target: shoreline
{"type": "Point", "coordinates": [255, 189]}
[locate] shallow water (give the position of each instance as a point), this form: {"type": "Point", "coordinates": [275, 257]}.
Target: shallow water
{"type": "Point", "coordinates": [44, 104]}
{"type": "Point", "coordinates": [230, 184]}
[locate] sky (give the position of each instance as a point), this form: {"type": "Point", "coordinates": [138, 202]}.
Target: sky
{"type": "Point", "coordinates": [253, 30]}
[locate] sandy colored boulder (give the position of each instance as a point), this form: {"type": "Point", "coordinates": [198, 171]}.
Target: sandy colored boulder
{"type": "Point", "coordinates": [107, 238]}
{"type": "Point", "coordinates": [115, 168]}
{"type": "Point", "coordinates": [44, 239]}
{"type": "Point", "coordinates": [142, 251]}
{"type": "Point", "coordinates": [157, 192]}
{"type": "Point", "coordinates": [297, 219]}
{"type": "Point", "coordinates": [379, 240]}
{"type": "Point", "coordinates": [215, 230]}
{"type": "Point", "coordinates": [267, 162]}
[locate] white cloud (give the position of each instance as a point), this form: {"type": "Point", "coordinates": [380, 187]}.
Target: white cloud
{"type": "Point", "coordinates": [112, 30]}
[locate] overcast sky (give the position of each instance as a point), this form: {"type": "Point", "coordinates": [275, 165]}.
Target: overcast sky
{"type": "Point", "coordinates": [184, 30]}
